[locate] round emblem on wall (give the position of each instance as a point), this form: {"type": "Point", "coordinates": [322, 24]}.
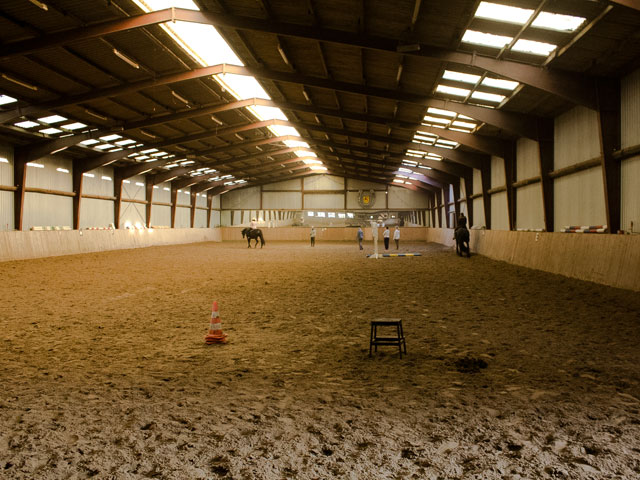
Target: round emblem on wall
{"type": "Point", "coordinates": [366, 199]}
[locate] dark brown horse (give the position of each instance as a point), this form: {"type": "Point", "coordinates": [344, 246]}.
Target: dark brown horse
{"type": "Point", "coordinates": [253, 234]}
{"type": "Point", "coordinates": [461, 236]}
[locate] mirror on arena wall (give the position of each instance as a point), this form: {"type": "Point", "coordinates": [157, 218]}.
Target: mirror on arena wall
{"type": "Point", "coordinates": [323, 218]}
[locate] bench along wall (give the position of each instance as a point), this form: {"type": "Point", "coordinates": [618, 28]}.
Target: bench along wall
{"type": "Point", "coordinates": [608, 259]}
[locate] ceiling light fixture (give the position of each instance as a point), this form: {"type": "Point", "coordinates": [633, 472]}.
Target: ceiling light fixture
{"type": "Point", "coordinates": [19, 82]}
{"type": "Point", "coordinates": [123, 57]}
{"type": "Point", "coordinates": [306, 95]}
{"type": "Point", "coordinates": [41, 5]}
{"type": "Point", "coordinates": [215, 119]}
{"type": "Point", "coordinates": [407, 47]}
{"type": "Point", "coordinates": [150, 135]}
{"type": "Point", "coordinates": [58, 150]}
{"type": "Point", "coordinates": [283, 55]}
{"type": "Point", "coordinates": [180, 97]}
{"type": "Point", "coordinates": [96, 115]}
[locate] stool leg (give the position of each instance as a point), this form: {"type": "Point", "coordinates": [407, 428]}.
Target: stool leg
{"type": "Point", "coordinates": [371, 340]}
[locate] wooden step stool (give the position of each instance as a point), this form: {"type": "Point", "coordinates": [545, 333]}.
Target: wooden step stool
{"type": "Point", "coordinates": [398, 340]}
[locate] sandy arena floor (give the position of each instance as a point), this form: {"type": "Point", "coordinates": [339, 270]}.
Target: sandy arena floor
{"type": "Point", "coordinates": [104, 371]}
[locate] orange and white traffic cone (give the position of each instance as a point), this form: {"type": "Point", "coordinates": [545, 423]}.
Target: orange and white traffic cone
{"type": "Point", "coordinates": [215, 334]}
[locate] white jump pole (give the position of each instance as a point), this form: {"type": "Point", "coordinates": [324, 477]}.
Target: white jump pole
{"type": "Point", "coordinates": [374, 231]}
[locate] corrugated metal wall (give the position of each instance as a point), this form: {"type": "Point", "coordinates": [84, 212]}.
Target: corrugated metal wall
{"type": "Point", "coordinates": [183, 217]}
{"type": "Point", "coordinates": [293, 185]}
{"type": "Point", "coordinates": [630, 110]}
{"type": "Point", "coordinates": [44, 209]}
{"type": "Point", "coordinates": [576, 137]}
{"type": "Point", "coordinates": [630, 132]}
{"type": "Point", "coordinates": [630, 194]}
{"type": "Point", "coordinates": [161, 216]}
{"type": "Point", "coordinates": [94, 212]}
{"type": "Point", "coordinates": [499, 211]}
{"type": "Point", "coordinates": [247, 197]}
{"type": "Point", "coordinates": [6, 179]}
{"type": "Point", "coordinates": [402, 198]}
{"type": "Point", "coordinates": [579, 197]}
{"type": "Point", "coordinates": [323, 182]}
{"type": "Point", "coordinates": [324, 200]}
{"type": "Point", "coordinates": [530, 212]}
{"type": "Point", "coordinates": [282, 200]}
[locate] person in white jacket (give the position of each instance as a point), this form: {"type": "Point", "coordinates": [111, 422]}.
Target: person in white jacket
{"type": "Point", "coordinates": [396, 237]}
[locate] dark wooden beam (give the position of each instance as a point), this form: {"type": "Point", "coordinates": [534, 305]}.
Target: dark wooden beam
{"type": "Point", "coordinates": [485, 176]}
{"type": "Point", "coordinates": [20, 181]}
{"type": "Point", "coordinates": [546, 158]}
{"type": "Point", "coordinates": [68, 101]}
{"type": "Point", "coordinates": [468, 190]}
{"type": "Point", "coordinates": [609, 123]}
{"type": "Point", "coordinates": [148, 196]}
{"type": "Point", "coordinates": [77, 181]}
{"type": "Point", "coordinates": [576, 89]}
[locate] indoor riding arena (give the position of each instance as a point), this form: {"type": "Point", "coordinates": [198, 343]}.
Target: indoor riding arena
{"type": "Point", "coordinates": [326, 239]}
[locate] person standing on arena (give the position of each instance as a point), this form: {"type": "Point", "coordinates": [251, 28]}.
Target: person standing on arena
{"type": "Point", "coordinates": [396, 237]}
{"type": "Point", "coordinates": [313, 236]}
{"type": "Point", "coordinates": [360, 237]}
{"type": "Point", "coordinates": [386, 238]}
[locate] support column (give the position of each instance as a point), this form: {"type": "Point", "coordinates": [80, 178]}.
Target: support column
{"type": "Point", "coordinates": [174, 204]}
{"type": "Point", "coordinates": [468, 187]}
{"type": "Point", "coordinates": [609, 122]}
{"type": "Point", "coordinates": [148, 196]}
{"type": "Point", "coordinates": [456, 202]}
{"type": "Point", "coordinates": [546, 148]}
{"type": "Point", "coordinates": [20, 180]}
{"type": "Point", "coordinates": [510, 165]}
{"type": "Point", "coordinates": [194, 201]}
{"type": "Point", "coordinates": [209, 205]}
{"type": "Point", "coordinates": [118, 179]}
{"type": "Point", "coordinates": [485, 175]}
{"type": "Point", "coordinates": [77, 180]}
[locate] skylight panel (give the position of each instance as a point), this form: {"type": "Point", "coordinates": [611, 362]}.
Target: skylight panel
{"type": "Point", "coordinates": [52, 119]}
{"type": "Point", "coordinates": [104, 146]}
{"type": "Point", "coordinates": [555, 21]}
{"type": "Point", "coordinates": [150, 150]}
{"type": "Point", "coordinates": [397, 180]}
{"type": "Point", "coordinates": [5, 99]}
{"type": "Point", "coordinates": [429, 118]}
{"type": "Point", "coordinates": [490, 97]}
{"type": "Point", "coordinates": [91, 141]}
{"type": "Point", "coordinates": [425, 140]}
{"type": "Point", "coordinates": [73, 126]}
{"type": "Point", "coordinates": [459, 92]}
{"type": "Point", "coordinates": [434, 156]}
{"type": "Point", "coordinates": [26, 124]}
{"type": "Point", "coordinates": [447, 142]}
{"type": "Point", "coordinates": [461, 77]}
{"type": "Point", "coordinates": [110, 138]}
{"type": "Point", "coordinates": [458, 123]}
{"type": "Point", "coordinates": [51, 131]}
{"type": "Point", "coordinates": [499, 83]}
{"type": "Point", "coordinates": [486, 39]}
{"type": "Point", "coordinates": [536, 48]}
{"type": "Point", "coordinates": [439, 111]}
{"type": "Point", "coordinates": [318, 168]}
{"type": "Point", "coordinates": [281, 131]}
{"type": "Point", "coordinates": [124, 142]}
{"type": "Point", "coordinates": [503, 13]}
